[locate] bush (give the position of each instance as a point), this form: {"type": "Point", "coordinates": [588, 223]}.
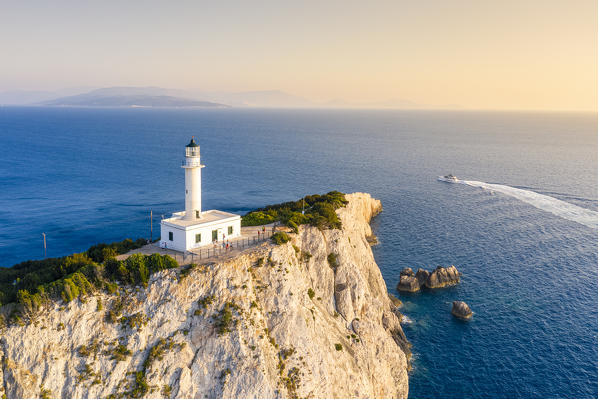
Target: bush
{"type": "Point", "coordinates": [57, 276]}
{"type": "Point", "coordinates": [280, 238]}
{"type": "Point", "coordinates": [332, 260]}
{"type": "Point", "coordinates": [338, 347]}
{"type": "Point", "coordinates": [120, 353]}
{"type": "Point", "coordinates": [320, 211]}
{"type": "Point", "coordinates": [224, 319]}
{"type": "Point", "coordinates": [135, 321]}
{"type": "Point", "coordinates": [311, 293]}
{"type": "Point", "coordinates": [101, 252]}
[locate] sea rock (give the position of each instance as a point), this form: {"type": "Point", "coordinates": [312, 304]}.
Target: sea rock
{"type": "Point", "coordinates": [443, 277]}
{"type": "Point", "coordinates": [279, 342]}
{"type": "Point", "coordinates": [412, 282]}
{"type": "Point", "coordinates": [408, 284]}
{"type": "Point", "coordinates": [461, 310]}
{"type": "Point", "coordinates": [422, 276]}
{"type": "Point", "coordinates": [407, 272]}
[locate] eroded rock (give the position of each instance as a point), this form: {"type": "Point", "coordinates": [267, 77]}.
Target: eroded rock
{"type": "Point", "coordinates": [461, 310]}
{"type": "Point", "coordinates": [443, 277]}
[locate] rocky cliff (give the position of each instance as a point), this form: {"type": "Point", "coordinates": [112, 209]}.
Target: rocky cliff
{"type": "Point", "coordinates": [276, 321]}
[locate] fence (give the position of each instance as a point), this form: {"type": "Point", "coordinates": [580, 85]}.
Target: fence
{"type": "Point", "coordinates": [219, 249]}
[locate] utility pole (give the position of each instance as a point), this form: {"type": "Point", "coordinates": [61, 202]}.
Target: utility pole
{"type": "Point", "coordinates": [44, 234]}
{"type": "Point", "coordinates": [151, 226]}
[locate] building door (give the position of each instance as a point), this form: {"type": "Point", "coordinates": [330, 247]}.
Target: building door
{"type": "Point", "coordinates": [214, 235]}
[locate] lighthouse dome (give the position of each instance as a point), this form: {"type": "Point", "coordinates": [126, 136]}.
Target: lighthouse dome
{"type": "Point", "coordinates": [192, 149]}
{"type": "Point", "coordinates": [192, 143]}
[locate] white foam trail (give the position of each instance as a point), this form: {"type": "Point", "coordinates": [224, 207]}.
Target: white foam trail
{"type": "Point", "coordinates": [555, 206]}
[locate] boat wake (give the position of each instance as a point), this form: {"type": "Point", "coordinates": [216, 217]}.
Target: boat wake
{"type": "Point", "coordinates": [546, 203]}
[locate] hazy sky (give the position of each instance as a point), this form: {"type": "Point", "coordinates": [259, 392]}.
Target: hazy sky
{"type": "Point", "coordinates": [534, 54]}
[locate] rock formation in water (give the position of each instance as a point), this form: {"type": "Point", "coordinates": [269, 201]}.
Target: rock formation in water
{"type": "Point", "coordinates": [443, 277]}
{"type": "Point", "coordinates": [440, 277]}
{"type": "Point", "coordinates": [276, 321]}
{"type": "Point", "coordinates": [461, 310]}
{"type": "Point", "coordinates": [408, 281]}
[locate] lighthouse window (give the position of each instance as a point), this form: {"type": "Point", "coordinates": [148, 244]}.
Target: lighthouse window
{"type": "Point", "coordinates": [170, 235]}
{"type": "Point", "coordinates": [197, 238]}
{"type": "Point", "coordinates": [186, 191]}
{"type": "Point", "coordinates": [230, 230]}
{"type": "Point", "coordinates": [196, 214]}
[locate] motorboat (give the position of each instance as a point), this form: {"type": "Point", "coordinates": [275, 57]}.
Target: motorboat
{"type": "Point", "coordinates": [450, 178]}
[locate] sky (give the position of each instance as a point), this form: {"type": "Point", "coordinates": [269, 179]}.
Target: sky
{"type": "Point", "coordinates": [471, 54]}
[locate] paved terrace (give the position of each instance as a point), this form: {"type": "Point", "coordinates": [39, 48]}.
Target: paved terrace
{"type": "Point", "coordinates": [249, 238]}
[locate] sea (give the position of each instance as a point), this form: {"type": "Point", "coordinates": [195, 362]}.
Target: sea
{"type": "Point", "coordinates": [521, 226]}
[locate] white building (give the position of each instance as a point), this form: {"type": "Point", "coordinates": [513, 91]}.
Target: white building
{"type": "Point", "coordinates": [193, 228]}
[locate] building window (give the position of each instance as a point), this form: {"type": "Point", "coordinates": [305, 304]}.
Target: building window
{"type": "Point", "coordinates": [186, 191]}
{"type": "Point", "coordinates": [196, 214]}
{"type": "Point", "coordinates": [230, 230]}
{"type": "Point", "coordinates": [170, 235]}
{"type": "Point", "coordinates": [197, 238]}
{"type": "Point", "coordinates": [214, 235]}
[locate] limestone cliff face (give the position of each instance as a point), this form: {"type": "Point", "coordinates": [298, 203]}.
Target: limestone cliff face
{"type": "Point", "coordinates": [273, 322]}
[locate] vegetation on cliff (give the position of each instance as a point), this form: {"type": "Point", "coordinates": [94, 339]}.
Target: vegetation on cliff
{"type": "Point", "coordinates": [32, 283]}
{"type": "Point", "coordinates": [316, 210]}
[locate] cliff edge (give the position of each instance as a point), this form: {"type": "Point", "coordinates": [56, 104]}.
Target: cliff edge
{"type": "Point", "coordinates": [307, 319]}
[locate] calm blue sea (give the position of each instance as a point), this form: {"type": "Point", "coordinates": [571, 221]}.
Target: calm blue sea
{"type": "Point", "coordinates": [85, 176]}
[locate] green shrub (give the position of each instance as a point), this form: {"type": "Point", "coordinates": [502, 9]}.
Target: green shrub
{"type": "Point", "coordinates": [56, 278]}
{"type": "Point", "coordinates": [101, 252]}
{"type": "Point", "coordinates": [311, 293]}
{"type": "Point", "coordinates": [280, 238]}
{"type": "Point", "coordinates": [338, 347]}
{"type": "Point", "coordinates": [259, 218]}
{"type": "Point", "coordinates": [203, 303]}
{"type": "Point", "coordinates": [332, 260]}
{"type": "Point", "coordinates": [305, 256]}
{"type": "Point", "coordinates": [135, 321]}
{"type": "Point", "coordinates": [224, 318]}
{"type": "Point", "coordinates": [119, 353]}
{"type": "Point", "coordinates": [319, 210]}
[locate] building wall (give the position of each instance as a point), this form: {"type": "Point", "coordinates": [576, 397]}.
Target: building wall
{"type": "Point", "coordinates": [178, 242]}
{"type": "Point", "coordinates": [185, 239]}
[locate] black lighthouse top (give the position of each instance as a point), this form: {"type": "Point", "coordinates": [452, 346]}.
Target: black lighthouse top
{"type": "Point", "coordinates": [192, 143]}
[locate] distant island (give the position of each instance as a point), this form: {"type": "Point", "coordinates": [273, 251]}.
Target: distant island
{"type": "Point", "coordinates": [119, 97]}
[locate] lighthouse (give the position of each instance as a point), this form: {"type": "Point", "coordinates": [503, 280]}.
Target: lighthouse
{"type": "Point", "coordinates": [194, 228]}
{"type": "Point", "coordinates": [192, 166]}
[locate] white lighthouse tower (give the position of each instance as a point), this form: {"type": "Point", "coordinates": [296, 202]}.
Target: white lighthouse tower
{"type": "Point", "coordinates": [192, 166]}
{"type": "Point", "coordinates": [193, 228]}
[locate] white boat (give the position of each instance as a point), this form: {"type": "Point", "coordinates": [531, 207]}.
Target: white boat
{"type": "Point", "coordinates": [448, 178]}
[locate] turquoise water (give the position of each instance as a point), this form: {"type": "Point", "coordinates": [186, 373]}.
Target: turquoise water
{"type": "Point", "coordinates": [84, 176]}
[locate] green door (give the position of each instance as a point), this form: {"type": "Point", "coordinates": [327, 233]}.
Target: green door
{"type": "Point", "coordinates": [214, 235]}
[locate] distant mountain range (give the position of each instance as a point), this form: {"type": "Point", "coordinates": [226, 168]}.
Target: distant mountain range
{"type": "Point", "coordinates": [128, 97]}
{"type": "Point", "coordinates": [161, 97]}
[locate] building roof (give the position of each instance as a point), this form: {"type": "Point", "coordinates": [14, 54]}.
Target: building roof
{"type": "Point", "coordinates": [192, 143]}
{"type": "Point", "coordinates": [208, 218]}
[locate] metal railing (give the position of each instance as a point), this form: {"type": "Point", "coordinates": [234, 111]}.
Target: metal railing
{"type": "Point", "coordinates": [191, 163]}
{"type": "Point", "coordinates": [219, 249]}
